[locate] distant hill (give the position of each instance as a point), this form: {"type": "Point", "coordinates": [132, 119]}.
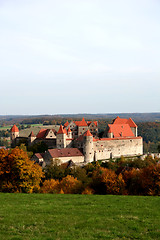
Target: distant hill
{"type": "Point", "coordinates": [137, 117]}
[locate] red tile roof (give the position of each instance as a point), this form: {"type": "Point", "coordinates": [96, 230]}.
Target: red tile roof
{"type": "Point", "coordinates": [65, 130]}
{"type": "Point", "coordinates": [44, 132]}
{"type": "Point", "coordinates": [66, 124]}
{"type": "Point", "coordinates": [65, 152]}
{"type": "Point", "coordinates": [129, 121]}
{"type": "Point", "coordinates": [69, 130]}
{"type": "Point", "coordinates": [88, 133]}
{"type": "Point", "coordinates": [81, 123]}
{"type": "Point", "coordinates": [120, 130]}
{"type": "Point", "coordinates": [41, 133]}
{"type": "Point", "coordinates": [14, 128]}
{"type": "Point", "coordinates": [39, 155]}
{"type": "Point", "coordinates": [61, 130]}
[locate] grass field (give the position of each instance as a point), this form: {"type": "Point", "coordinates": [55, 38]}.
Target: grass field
{"type": "Point", "coordinates": [5, 128]}
{"type": "Point", "coordinates": [57, 217]}
{"type": "Point", "coordinates": [8, 127]}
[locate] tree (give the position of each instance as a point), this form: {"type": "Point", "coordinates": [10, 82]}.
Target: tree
{"type": "Point", "coordinates": [150, 180]}
{"type": "Point", "coordinates": [39, 147]}
{"type": "Point", "coordinates": [50, 186]}
{"type": "Point", "coordinates": [133, 181]}
{"type": "Point", "coordinates": [17, 172]}
{"type": "Point", "coordinates": [54, 170]}
{"type": "Point", "coordinates": [105, 181]}
{"type": "Point", "coordinates": [70, 184]}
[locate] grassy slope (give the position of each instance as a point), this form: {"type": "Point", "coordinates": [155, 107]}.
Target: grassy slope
{"type": "Point", "coordinates": [44, 216]}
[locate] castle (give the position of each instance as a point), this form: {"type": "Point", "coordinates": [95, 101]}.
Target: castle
{"type": "Point", "coordinates": [78, 141]}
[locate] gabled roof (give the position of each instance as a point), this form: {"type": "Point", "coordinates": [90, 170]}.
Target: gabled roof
{"type": "Point", "coordinates": [48, 130]}
{"type": "Point", "coordinates": [120, 130]}
{"type": "Point", "coordinates": [89, 123]}
{"type": "Point", "coordinates": [129, 121]}
{"type": "Point", "coordinates": [14, 128]}
{"type": "Point", "coordinates": [39, 155]}
{"type": "Point", "coordinates": [81, 123]}
{"type": "Point", "coordinates": [31, 134]}
{"type": "Point", "coordinates": [66, 124]}
{"type": "Point", "coordinates": [41, 133]}
{"type": "Point", "coordinates": [65, 152]}
{"type": "Point", "coordinates": [44, 132]}
{"type": "Point", "coordinates": [87, 133]}
{"type": "Point", "coordinates": [61, 130]}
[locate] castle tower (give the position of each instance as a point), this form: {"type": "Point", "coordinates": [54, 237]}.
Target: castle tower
{"type": "Point", "coordinates": [31, 138]}
{"type": "Point", "coordinates": [14, 132]}
{"type": "Point", "coordinates": [61, 138]}
{"type": "Point", "coordinates": [69, 133]}
{"type": "Point", "coordinates": [88, 147]}
{"type": "Point", "coordinates": [14, 135]}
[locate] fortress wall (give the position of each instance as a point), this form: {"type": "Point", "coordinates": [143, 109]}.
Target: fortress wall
{"type": "Point", "coordinates": [106, 149]}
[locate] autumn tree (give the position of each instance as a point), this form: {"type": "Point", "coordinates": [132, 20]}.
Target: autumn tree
{"type": "Point", "coordinates": [17, 172]}
{"type": "Point", "coordinates": [69, 184]}
{"type": "Point", "coordinates": [132, 181]}
{"type": "Point", "coordinates": [50, 186]}
{"type": "Point", "coordinates": [150, 180]}
{"type": "Point", "coordinates": [105, 181]}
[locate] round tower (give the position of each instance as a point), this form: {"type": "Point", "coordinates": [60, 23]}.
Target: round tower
{"type": "Point", "coordinates": [88, 147]}
{"type": "Point", "coordinates": [61, 138]}
{"type": "Point", "coordinates": [14, 135]}
{"type": "Point", "coordinates": [14, 132]}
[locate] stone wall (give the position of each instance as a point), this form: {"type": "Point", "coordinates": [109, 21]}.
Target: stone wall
{"type": "Point", "coordinates": [113, 148]}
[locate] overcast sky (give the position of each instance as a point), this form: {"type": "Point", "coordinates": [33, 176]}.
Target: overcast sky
{"type": "Point", "coordinates": [79, 56]}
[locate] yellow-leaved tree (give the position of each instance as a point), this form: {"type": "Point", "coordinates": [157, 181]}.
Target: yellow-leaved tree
{"type": "Point", "coordinates": [17, 172]}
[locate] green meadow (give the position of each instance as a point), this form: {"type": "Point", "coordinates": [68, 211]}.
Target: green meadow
{"type": "Point", "coordinates": [57, 217]}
